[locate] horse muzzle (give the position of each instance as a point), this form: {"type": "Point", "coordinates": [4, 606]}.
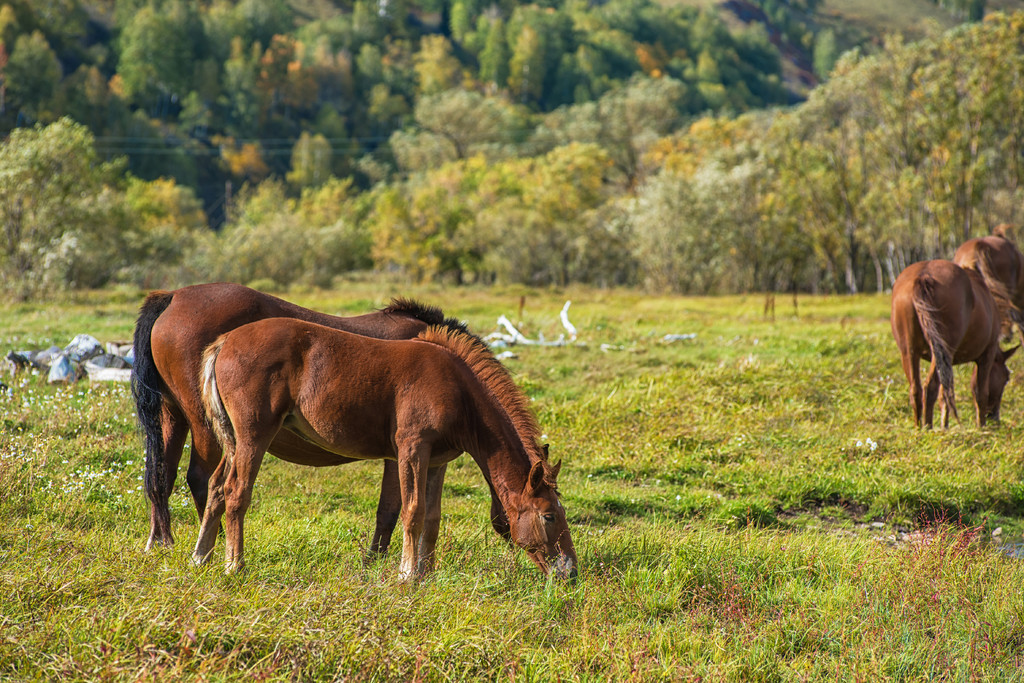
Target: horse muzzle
{"type": "Point", "coordinates": [565, 568]}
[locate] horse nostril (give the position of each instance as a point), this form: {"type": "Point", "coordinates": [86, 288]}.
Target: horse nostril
{"type": "Point", "coordinates": [565, 568]}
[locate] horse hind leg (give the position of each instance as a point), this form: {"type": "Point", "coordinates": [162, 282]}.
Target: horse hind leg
{"type": "Point", "coordinates": [205, 457]}
{"type": "Point", "coordinates": [174, 431]}
{"type": "Point", "coordinates": [912, 370]}
{"type": "Point", "coordinates": [241, 475]}
{"type": "Point", "coordinates": [388, 510]}
{"type": "Point", "coordinates": [212, 515]}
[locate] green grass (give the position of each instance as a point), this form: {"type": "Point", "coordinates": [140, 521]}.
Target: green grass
{"type": "Point", "coordinates": [731, 517]}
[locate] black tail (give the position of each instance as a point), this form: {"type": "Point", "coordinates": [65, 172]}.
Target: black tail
{"type": "Point", "coordinates": [146, 388]}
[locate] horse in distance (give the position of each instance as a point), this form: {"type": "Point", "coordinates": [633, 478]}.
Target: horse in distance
{"type": "Point", "coordinates": [945, 313]}
{"type": "Point", "coordinates": [420, 402]}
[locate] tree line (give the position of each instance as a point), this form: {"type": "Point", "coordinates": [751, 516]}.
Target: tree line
{"type": "Point", "coordinates": [900, 156]}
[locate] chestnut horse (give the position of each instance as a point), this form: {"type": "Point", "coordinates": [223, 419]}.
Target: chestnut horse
{"type": "Point", "coordinates": [172, 331]}
{"type": "Point", "coordinates": [1001, 265]}
{"type": "Point", "coordinates": [421, 402]}
{"type": "Point", "coordinates": [946, 313]}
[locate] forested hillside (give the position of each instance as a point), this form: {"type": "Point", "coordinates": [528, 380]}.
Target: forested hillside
{"type": "Point", "coordinates": [623, 143]}
{"type": "Point", "coordinates": [224, 91]}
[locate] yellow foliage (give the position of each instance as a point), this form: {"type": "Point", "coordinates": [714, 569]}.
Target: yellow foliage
{"type": "Point", "coordinates": [245, 161]}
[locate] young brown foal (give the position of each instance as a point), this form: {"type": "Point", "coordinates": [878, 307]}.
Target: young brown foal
{"type": "Point", "coordinates": [171, 333]}
{"type": "Point", "coordinates": [421, 402]}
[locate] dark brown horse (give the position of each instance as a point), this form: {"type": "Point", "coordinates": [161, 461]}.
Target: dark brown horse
{"type": "Point", "coordinates": [946, 313]}
{"type": "Point", "coordinates": [1001, 265]}
{"type": "Point", "coordinates": [172, 331]}
{"type": "Point", "coordinates": [420, 402]}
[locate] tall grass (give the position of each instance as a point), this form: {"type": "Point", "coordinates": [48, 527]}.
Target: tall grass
{"type": "Point", "coordinates": [752, 504]}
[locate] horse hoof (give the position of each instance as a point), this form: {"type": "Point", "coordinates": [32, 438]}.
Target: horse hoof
{"type": "Point", "coordinates": [154, 542]}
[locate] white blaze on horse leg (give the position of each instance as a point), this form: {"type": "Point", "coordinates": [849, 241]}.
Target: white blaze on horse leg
{"type": "Point", "coordinates": [413, 459]}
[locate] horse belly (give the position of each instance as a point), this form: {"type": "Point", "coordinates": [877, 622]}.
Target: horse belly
{"type": "Point", "coordinates": [294, 448]}
{"type": "Point", "coordinates": [331, 442]}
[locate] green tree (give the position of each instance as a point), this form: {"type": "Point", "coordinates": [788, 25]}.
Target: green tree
{"type": "Point", "coordinates": [455, 125]}
{"type": "Point", "coordinates": [494, 58]}
{"type": "Point", "coordinates": [32, 74]}
{"type": "Point", "coordinates": [66, 231]}
{"type": "Point", "coordinates": [437, 69]}
{"type": "Point", "coordinates": [311, 161]}
{"type": "Point", "coordinates": [526, 66]}
{"type": "Point", "coordinates": [826, 52]}
{"type": "Point", "coordinates": [166, 221]}
{"type": "Point", "coordinates": [159, 47]}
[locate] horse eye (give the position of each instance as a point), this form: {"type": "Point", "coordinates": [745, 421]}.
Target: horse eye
{"type": "Point", "coordinates": [549, 517]}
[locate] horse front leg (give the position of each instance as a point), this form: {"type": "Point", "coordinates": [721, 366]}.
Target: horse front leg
{"type": "Point", "coordinates": [413, 459]}
{"type": "Point", "coordinates": [979, 388]}
{"type": "Point", "coordinates": [499, 519]}
{"type": "Point", "coordinates": [432, 518]}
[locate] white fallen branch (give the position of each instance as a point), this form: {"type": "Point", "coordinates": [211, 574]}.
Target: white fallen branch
{"type": "Point", "coordinates": [511, 336]}
{"type": "Point", "coordinates": [569, 327]}
{"type": "Point", "coordinates": [669, 338]}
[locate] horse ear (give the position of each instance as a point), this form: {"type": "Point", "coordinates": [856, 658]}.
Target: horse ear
{"type": "Point", "coordinates": [1010, 352]}
{"type": "Point", "coordinates": [544, 448]}
{"type": "Point", "coordinates": [555, 469]}
{"type": "Point", "coordinates": [536, 478]}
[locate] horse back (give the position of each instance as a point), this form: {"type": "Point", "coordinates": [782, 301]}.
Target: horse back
{"type": "Point", "coordinates": [1000, 263]}
{"type": "Point", "coordinates": [199, 314]}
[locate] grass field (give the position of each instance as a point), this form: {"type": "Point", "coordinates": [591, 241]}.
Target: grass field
{"type": "Point", "coordinates": [751, 504]}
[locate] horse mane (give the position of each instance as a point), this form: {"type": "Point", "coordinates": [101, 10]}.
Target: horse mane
{"type": "Point", "coordinates": [431, 315]}
{"type": "Point", "coordinates": [1005, 230]}
{"type": "Point", "coordinates": [454, 337]}
{"type": "Point", "coordinates": [980, 261]}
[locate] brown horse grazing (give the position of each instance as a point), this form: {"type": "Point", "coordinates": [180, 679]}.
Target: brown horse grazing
{"type": "Point", "coordinates": [1001, 264]}
{"type": "Point", "coordinates": [421, 402]}
{"type": "Point", "coordinates": [946, 313]}
{"type": "Point", "coordinates": [172, 331]}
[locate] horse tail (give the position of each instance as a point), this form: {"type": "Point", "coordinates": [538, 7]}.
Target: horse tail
{"type": "Point", "coordinates": [147, 390]}
{"type": "Point", "coordinates": [924, 297]}
{"type": "Point", "coordinates": [212, 402]}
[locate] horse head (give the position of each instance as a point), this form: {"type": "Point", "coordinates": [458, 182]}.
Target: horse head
{"type": "Point", "coordinates": [998, 378]}
{"type": "Point", "coordinates": [538, 523]}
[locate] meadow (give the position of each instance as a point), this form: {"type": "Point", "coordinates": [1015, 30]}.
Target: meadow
{"type": "Point", "coordinates": [753, 503]}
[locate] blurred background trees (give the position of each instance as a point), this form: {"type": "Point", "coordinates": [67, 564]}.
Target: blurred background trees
{"type": "Point", "coordinates": [157, 142]}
